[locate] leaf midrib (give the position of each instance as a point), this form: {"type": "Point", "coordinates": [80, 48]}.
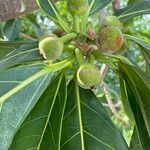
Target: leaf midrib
{"type": "Point", "coordinates": [47, 121]}
{"type": "Point", "coordinates": [135, 12]}
{"type": "Point", "coordinates": [80, 117]}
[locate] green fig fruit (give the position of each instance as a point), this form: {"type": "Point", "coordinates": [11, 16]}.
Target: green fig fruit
{"type": "Point", "coordinates": [88, 76]}
{"type": "Point", "coordinates": [77, 7]}
{"type": "Point", "coordinates": [113, 21]}
{"type": "Point", "coordinates": [51, 47]}
{"type": "Point", "coordinates": [110, 39]}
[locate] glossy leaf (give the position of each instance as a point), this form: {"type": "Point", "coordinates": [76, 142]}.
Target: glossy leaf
{"type": "Point", "coordinates": [48, 7]}
{"type": "Point", "coordinates": [138, 115]}
{"type": "Point", "coordinates": [86, 125]}
{"type": "Point", "coordinates": [27, 52]}
{"type": "Point", "coordinates": [42, 127]}
{"type": "Point", "coordinates": [134, 10]}
{"type": "Point", "coordinates": [12, 29]}
{"type": "Point", "coordinates": [140, 89]}
{"type": "Point", "coordinates": [97, 5]}
{"type": "Point", "coordinates": [17, 107]}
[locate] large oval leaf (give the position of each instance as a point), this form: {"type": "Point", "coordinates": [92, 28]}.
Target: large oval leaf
{"type": "Point", "coordinates": [140, 89]}
{"type": "Point", "coordinates": [17, 107]}
{"type": "Point", "coordinates": [42, 127]}
{"type": "Point", "coordinates": [86, 125]}
{"type": "Point", "coordinates": [142, 131]}
{"type": "Point", "coordinates": [134, 10]}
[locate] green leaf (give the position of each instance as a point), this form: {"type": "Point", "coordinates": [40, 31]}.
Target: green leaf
{"type": "Point", "coordinates": [133, 10]}
{"type": "Point", "coordinates": [86, 125]}
{"type": "Point", "coordinates": [134, 1]}
{"type": "Point", "coordinates": [7, 47]}
{"type": "Point", "coordinates": [4, 50]}
{"type": "Point", "coordinates": [145, 49]}
{"type": "Point", "coordinates": [32, 18]}
{"type": "Point", "coordinates": [25, 53]}
{"type": "Point", "coordinates": [135, 142]}
{"type": "Point", "coordinates": [12, 29]}
{"type": "Point", "coordinates": [12, 44]}
{"type": "Point", "coordinates": [48, 7]}
{"type": "Point", "coordinates": [140, 123]}
{"type": "Point", "coordinates": [125, 100]}
{"type": "Point", "coordinates": [18, 106]}
{"type": "Point", "coordinates": [97, 5]}
{"type": "Point", "coordinates": [45, 69]}
{"type": "Point", "coordinates": [137, 85]}
{"type": "Point", "coordinates": [42, 127]}
{"type": "Point", "coordinates": [140, 89]}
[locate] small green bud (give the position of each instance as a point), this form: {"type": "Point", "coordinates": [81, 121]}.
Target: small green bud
{"type": "Point", "coordinates": [110, 39]}
{"type": "Point", "coordinates": [113, 21]}
{"type": "Point", "coordinates": [77, 7]}
{"type": "Point", "coordinates": [88, 76]}
{"type": "Point", "coordinates": [51, 48]}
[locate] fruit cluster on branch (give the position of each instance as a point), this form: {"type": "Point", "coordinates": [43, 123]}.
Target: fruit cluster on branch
{"type": "Point", "coordinates": [109, 39]}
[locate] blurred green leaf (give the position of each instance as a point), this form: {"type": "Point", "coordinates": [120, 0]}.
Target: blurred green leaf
{"type": "Point", "coordinates": [134, 1]}
{"type": "Point", "coordinates": [145, 49]}
{"type": "Point", "coordinates": [135, 142]}
{"type": "Point", "coordinates": [14, 44]}
{"type": "Point", "coordinates": [11, 29]}
{"type": "Point", "coordinates": [97, 5]}
{"type": "Point", "coordinates": [86, 124]}
{"type": "Point", "coordinates": [36, 27]}
{"type": "Point", "coordinates": [48, 7]}
{"type": "Point", "coordinates": [133, 10]}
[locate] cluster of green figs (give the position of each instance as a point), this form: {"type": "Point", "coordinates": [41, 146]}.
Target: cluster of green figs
{"type": "Point", "coordinates": [108, 40]}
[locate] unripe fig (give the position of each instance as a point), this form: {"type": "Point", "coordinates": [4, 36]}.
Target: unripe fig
{"type": "Point", "coordinates": [51, 48]}
{"type": "Point", "coordinates": [113, 21]}
{"type": "Point", "coordinates": [77, 7]}
{"type": "Point", "coordinates": [88, 76]}
{"type": "Point", "coordinates": [110, 39]}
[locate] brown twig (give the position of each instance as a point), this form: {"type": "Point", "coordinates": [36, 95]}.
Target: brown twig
{"type": "Point", "coordinates": [111, 105]}
{"type": "Point", "coordinates": [103, 72]}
